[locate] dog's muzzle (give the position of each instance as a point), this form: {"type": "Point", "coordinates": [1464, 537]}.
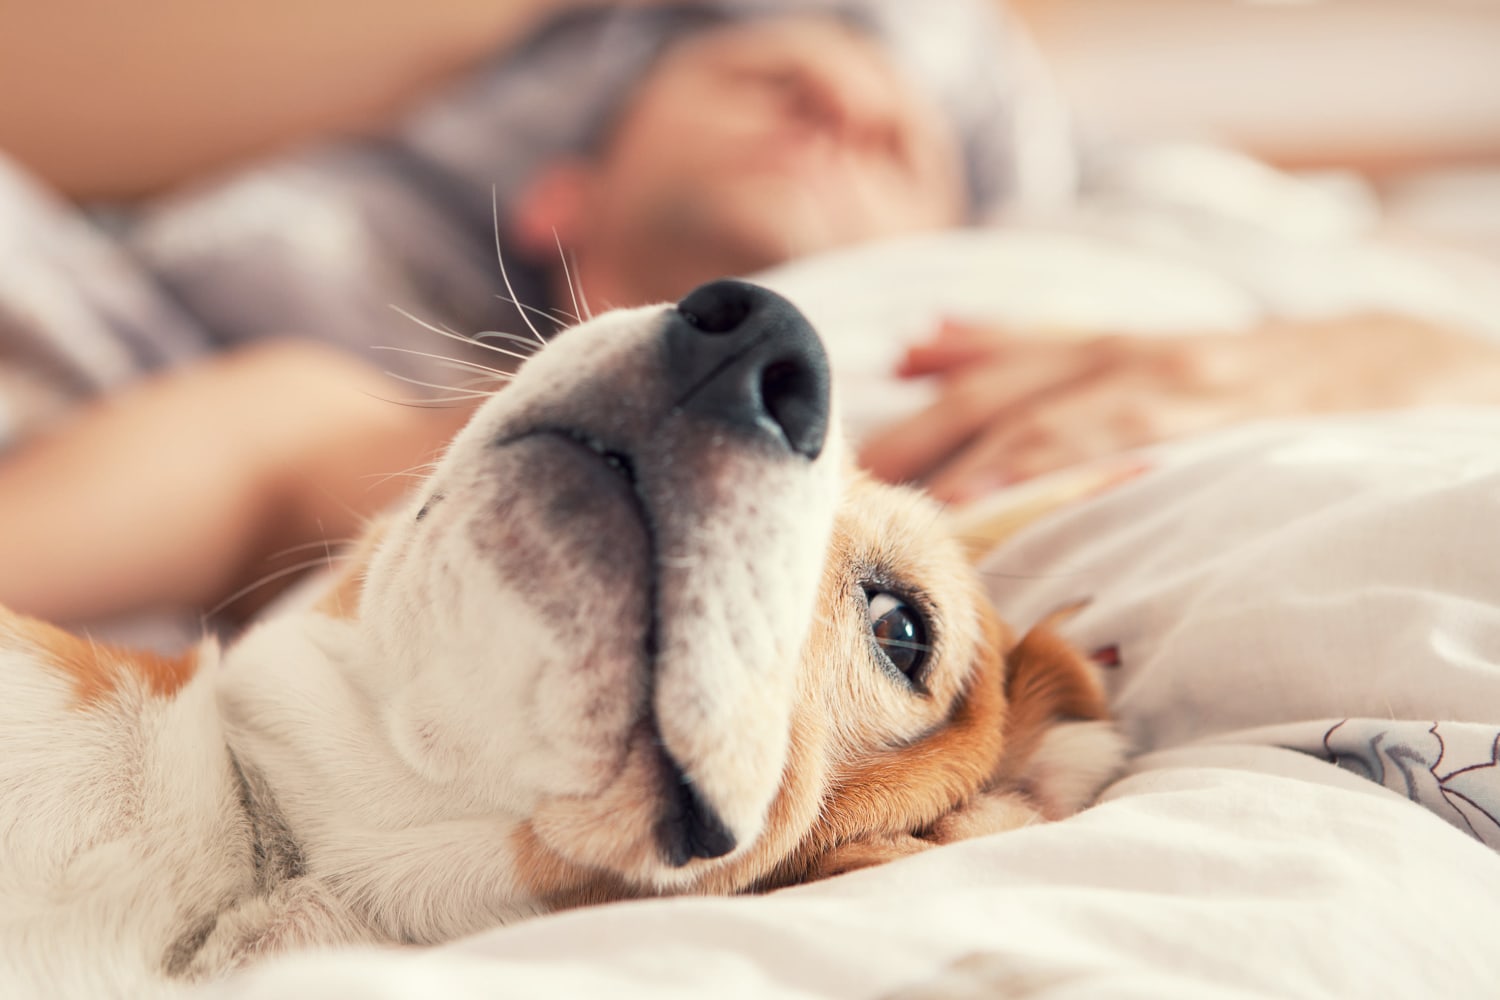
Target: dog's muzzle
{"type": "Point", "coordinates": [742, 356]}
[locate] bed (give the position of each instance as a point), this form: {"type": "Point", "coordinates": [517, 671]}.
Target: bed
{"type": "Point", "coordinates": [1303, 622]}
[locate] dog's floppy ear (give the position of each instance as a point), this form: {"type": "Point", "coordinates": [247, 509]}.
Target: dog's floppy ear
{"type": "Point", "coordinates": [1060, 747]}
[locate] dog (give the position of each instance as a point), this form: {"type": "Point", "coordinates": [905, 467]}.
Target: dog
{"type": "Point", "coordinates": [645, 630]}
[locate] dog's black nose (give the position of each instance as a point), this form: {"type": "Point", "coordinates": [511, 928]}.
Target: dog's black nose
{"type": "Point", "coordinates": [743, 355]}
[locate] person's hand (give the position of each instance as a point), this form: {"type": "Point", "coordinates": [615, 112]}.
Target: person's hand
{"type": "Point", "coordinates": [1010, 407]}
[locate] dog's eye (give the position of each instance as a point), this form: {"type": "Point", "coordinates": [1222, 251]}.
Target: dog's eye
{"type": "Point", "coordinates": [899, 632]}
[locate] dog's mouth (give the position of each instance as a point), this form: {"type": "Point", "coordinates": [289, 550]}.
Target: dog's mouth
{"type": "Point", "coordinates": [616, 460]}
{"type": "Point", "coordinates": [688, 827]}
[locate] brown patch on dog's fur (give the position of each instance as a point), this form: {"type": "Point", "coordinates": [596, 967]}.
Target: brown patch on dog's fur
{"type": "Point", "coordinates": [872, 811]}
{"type": "Point", "coordinates": [1047, 681]}
{"type": "Point", "coordinates": [967, 778]}
{"type": "Point", "coordinates": [571, 827]}
{"type": "Point", "coordinates": [962, 780]}
{"type": "Point", "coordinates": [95, 669]}
{"type": "Point", "coordinates": [559, 884]}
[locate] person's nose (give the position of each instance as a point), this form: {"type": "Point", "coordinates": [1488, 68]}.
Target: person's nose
{"type": "Point", "coordinates": [743, 356]}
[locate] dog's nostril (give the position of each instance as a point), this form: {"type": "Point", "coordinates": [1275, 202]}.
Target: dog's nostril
{"type": "Point", "coordinates": [789, 391]}
{"type": "Point", "coordinates": [717, 307]}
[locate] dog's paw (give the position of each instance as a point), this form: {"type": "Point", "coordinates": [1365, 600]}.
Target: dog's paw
{"type": "Point", "coordinates": [989, 812]}
{"type": "Point", "coordinates": [866, 853]}
{"type": "Point", "coordinates": [298, 913]}
{"type": "Point", "coordinates": [1072, 764]}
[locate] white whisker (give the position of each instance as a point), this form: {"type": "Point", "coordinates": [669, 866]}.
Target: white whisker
{"type": "Point", "coordinates": [306, 564]}
{"type": "Point", "coordinates": [418, 472]}
{"type": "Point", "coordinates": [322, 543]}
{"type": "Point", "coordinates": [500, 258]}
{"type": "Point", "coordinates": [440, 402]}
{"type": "Point", "coordinates": [515, 338]}
{"type": "Point", "coordinates": [567, 276]}
{"type": "Point", "coordinates": [460, 389]}
{"type": "Point", "coordinates": [557, 317]}
{"type": "Point", "coordinates": [583, 295]}
{"type": "Point", "coordinates": [446, 361]}
{"type": "Point", "coordinates": [451, 335]}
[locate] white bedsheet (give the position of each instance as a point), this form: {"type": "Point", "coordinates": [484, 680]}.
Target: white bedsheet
{"type": "Point", "coordinates": [1220, 874]}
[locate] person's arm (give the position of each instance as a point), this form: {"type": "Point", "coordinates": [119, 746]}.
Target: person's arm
{"type": "Point", "coordinates": [116, 100]}
{"type": "Point", "coordinates": [178, 491]}
{"type": "Point", "coordinates": [1012, 407]}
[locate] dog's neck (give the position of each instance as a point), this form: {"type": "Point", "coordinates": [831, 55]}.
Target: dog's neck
{"type": "Point", "coordinates": [419, 861]}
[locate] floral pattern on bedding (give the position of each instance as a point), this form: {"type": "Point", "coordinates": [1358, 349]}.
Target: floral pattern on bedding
{"type": "Point", "coordinates": [1449, 768]}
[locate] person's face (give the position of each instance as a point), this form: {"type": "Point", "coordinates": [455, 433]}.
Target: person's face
{"type": "Point", "coordinates": [761, 142]}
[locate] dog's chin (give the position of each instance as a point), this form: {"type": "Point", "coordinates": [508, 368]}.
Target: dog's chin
{"type": "Point", "coordinates": [619, 831]}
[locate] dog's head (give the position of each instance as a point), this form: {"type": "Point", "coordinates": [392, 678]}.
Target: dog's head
{"type": "Point", "coordinates": [646, 604]}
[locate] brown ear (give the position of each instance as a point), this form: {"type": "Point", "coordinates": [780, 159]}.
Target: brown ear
{"type": "Point", "coordinates": [1060, 747]}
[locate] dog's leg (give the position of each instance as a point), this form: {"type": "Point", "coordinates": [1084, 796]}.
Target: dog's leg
{"type": "Point", "coordinates": [298, 913]}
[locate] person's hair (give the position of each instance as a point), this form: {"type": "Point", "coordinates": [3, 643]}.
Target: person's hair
{"type": "Point", "coordinates": [654, 32]}
{"type": "Point", "coordinates": [562, 89]}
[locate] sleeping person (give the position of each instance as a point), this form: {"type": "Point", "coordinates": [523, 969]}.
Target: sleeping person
{"type": "Point", "coordinates": [615, 157]}
{"type": "Point", "coordinates": [659, 146]}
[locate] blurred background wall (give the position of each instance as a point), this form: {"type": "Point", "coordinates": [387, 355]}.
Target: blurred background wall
{"type": "Point", "coordinates": [115, 99]}
{"type": "Point", "coordinates": [1385, 84]}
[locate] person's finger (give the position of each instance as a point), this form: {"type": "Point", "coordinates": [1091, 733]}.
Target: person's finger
{"type": "Point", "coordinates": [1092, 420]}
{"type": "Point", "coordinates": [953, 345]}
{"type": "Point", "coordinates": [906, 450]}
{"type": "Point", "coordinates": [1002, 456]}
{"type": "Point", "coordinates": [970, 401]}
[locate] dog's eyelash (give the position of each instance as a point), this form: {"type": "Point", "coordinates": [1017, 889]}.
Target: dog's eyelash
{"type": "Point", "coordinates": [925, 647]}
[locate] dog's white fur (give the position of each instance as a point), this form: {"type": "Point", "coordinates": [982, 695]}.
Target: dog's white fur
{"type": "Point", "coordinates": [478, 733]}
